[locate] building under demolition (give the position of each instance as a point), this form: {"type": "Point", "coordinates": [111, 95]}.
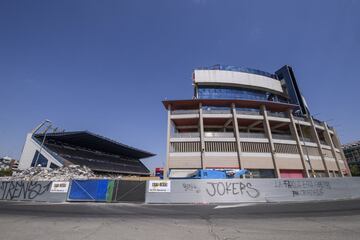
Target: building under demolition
{"type": "Point", "coordinates": [100, 154]}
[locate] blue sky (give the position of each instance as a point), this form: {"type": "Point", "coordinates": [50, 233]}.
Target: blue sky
{"type": "Point", "coordinates": [105, 66]}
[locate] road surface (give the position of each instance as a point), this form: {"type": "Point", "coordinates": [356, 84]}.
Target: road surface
{"type": "Point", "coordinates": [316, 220]}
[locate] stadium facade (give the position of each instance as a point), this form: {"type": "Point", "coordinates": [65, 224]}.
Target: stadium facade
{"type": "Point", "coordinates": [241, 118]}
{"type": "Point", "coordinates": [100, 154]}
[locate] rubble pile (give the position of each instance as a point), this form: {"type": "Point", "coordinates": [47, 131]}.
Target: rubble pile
{"type": "Point", "coordinates": [59, 174]}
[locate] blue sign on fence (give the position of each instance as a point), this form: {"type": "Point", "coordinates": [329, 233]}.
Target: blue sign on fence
{"type": "Point", "coordinates": [88, 190]}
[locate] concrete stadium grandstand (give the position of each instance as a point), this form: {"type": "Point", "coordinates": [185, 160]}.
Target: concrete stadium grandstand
{"type": "Point", "coordinates": [102, 155]}
{"type": "Point", "coordinates": [241, 118]}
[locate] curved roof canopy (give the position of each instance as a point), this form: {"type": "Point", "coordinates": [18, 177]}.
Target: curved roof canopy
{"type": "Point", "coordinates": [94, 141]}
{"type": "Point", "coordinates": [239, 69]}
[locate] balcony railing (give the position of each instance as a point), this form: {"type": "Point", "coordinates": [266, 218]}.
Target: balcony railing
{"type": "Point", "coordinates": [277, 114]}
{"type": "Point", "coordinates": [300, 118]}
{"type": "Point", "coordinates": [247, 112]}
{"type": "Point", "coordinates": [323, 142]}
{"type": "Point", "coordinates": [219, 134]}
{"type": "Point", "coordinates": [178, 112]}
{"type": "Point", "coordinates": [206, 134]}
{"type": "Point", "coordinates": [186, 135]}
{"type": "Point", "coordinates": [282, 137]}
{"type": "Point", "coordinates": [305, 139]}
{"type": "Point", "coordinates": [242, 135]}
{"type": "Point", "coordinates": [317, 121]}
{"type": "Point", "coordinates": [252, 135]}
{"type": "Point", "coordinates": [216, 111]}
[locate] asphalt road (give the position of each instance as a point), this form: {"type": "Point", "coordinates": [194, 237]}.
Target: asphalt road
{"type": "Point", "coordinates": [316, 220]}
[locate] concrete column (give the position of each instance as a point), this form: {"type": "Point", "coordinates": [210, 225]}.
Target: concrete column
{"type": "Point", "coordinates": [298, 143]}
{"type": "Point", "coordinates": [269, 135]}
{"type": "Point", "coordinates": [316, 136]}
{"type": "Point", "coordinates": [338, 145]}
{"type": "Point", "coordinates": [202, 136]}
{"type": "Point", "coordinates": [329, 140]}
{"type": "Point", "coordinates": [237, 136]}
{"type": "Point", "coordinates": [166, 169]}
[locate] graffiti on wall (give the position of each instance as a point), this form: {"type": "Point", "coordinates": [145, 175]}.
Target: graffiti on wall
{"type": "Point", "coordinates": [190, 187]}
{"type": "Point", "coordinates": [304, 187]}
{"type": "Point", "coordinates": [21, 190]}
{"type": "Point", "coordinates": [232, 188]}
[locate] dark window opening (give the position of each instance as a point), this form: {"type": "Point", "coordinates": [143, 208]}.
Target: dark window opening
{"type": "Point", "coordinates": [39, 160]}
{"type": "Point", "coordinates": [53, 166]}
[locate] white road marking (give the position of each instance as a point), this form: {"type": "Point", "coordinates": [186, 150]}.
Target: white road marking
{"type": "Point", "coordinates": [235, 205]}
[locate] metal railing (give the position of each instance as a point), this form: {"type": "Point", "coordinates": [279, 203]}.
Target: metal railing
{"type": "Point", "coordinates": [305, 139]}
{"type": "Point", "coordinates": [252, 135]}
{"type": "Point", "coordinates": [323, 142]}
{"type": "Point", "coordinates": [186, 135]}
{"type": "Point", "coordinates": [219, 134]}
{"type": "Point", "coordinates": [277, 114]}
{"type": "Point", "coordinates": [247, 112]}
{"type": "Point", "coordinates": [317, 121]}
{"type": "Point", "coordinates": [300, 118]}
{"type": "Point", "coordinates": [282, 136]}
{"type": "Point", "coordinates": [178, 112]}
{"type": "Point", "coordinates": [216, 111]}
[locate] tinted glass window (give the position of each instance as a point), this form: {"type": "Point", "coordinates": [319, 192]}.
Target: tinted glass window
{"type": "Point", "coordinates": [216, 92]}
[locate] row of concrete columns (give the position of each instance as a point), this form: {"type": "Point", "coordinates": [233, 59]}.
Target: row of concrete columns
{"type": "Point", "coordinates": [267, 128]}
{"type": "Point", "coordinates": [294, 132]}
{"type": "Point", "coordinates": [333, 151]}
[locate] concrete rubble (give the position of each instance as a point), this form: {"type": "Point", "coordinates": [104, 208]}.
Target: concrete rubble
{"type": "Point", "coordinates": [8, 163]}
{"type": "Point", "coordinates": [59, 174]}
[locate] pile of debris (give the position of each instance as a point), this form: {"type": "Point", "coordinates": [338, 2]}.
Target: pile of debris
{"type": "Point", "coordinates": [59, 174]}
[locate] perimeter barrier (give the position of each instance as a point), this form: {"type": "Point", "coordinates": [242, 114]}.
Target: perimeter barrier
{"type": "Point", "coordinates": [91, 190]}
{"type": "Point", "coordinates": [36, 191]}
{"type": "Point", "coordinates": [251, 190]}
{"type": "Point", "coordinates": [193, 191]}
{"type": "Point", "coordinates": [129, 191]}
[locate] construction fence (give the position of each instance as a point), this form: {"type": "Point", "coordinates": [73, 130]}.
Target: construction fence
{"type": "Point", "coordinates": [188, 191]}
{"type": "Point", "coordinates": [209, 191]}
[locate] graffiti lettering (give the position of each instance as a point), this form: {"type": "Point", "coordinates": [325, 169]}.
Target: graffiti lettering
{"type": "Point", "coordinates": [232, 188]}
{"type": "Point", "coordinates": [308, 192]}
{"type": "Point", "coordinates": [20, 190]}
{"type": "Point", "coordinates": [304, 187]}
{"type": "Point", "coordinates": [188, 187]}
{"type": "Point", "coordinates": [304, 184]}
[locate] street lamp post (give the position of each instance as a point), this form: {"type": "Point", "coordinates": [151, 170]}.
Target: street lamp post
{"type": "Point", "coordinates": [42, 143]}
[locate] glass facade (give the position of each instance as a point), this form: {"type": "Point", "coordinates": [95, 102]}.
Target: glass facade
{"type": "Point", "coordinates": [287, 75]}
{"type": "Point", "coordinates": [218, 92]}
